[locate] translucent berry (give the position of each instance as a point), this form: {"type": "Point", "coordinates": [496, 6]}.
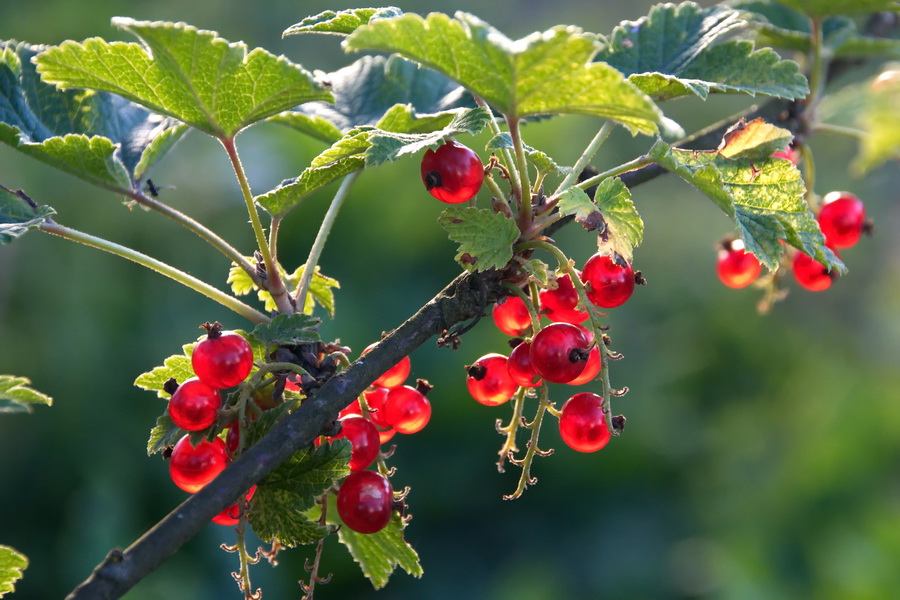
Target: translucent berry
{"type": "Point", "coordinates": [582, 423]}
{"type": "Point", "coordinates": [194, 405]}
{"type": "Point", "coordinates": [394, 376]}
{"type": "Point", "coordinates": [519, 366]}
{"type": "Point", "coordinates": [222, 359]}
{"type": "Point", "coordinates": [407, 409]}
{"type": "Point", "coordinates": [488, 380]}
{"type": "Point", "coordinates": [842, 219]}
{"type": "Point", "coordinates": [365, 501]}
{"type": "Point", "coordinates": [593, 365]}
{"type": "Point", "coordinates": [192, 468]}
{"type": "Point", "coordinates": [560, 304]}
{"type": "Point", "coordinates": [811, 274]}
{"type": "Point", "coordinates": [232, 515]}
{"type": "Point", "coordinates": [736, 267]}
{"type": "Point", "coordinates": [375, 399]}
{"type": "Point", "coordinates": [511, 316]}
{"type": "Point", "coordinates": [609, 283]}
{"type": "Point", "coordinates": [559, 352]}
{"type": "Point", "coordinates": [790, 153]}
{"type": "Point", "coordinates": [364, 441]}
{"type": "Point", "coordinates": [453, 173]}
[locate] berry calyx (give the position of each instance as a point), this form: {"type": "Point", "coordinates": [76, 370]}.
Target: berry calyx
{"type": "Point", "coordinates": [394, 376]}
{"type": "Point", "coordinates": [594, 361]}
{"type": "Point", "coordinates": [609, 282]}
{"type": "Point", "coordinates": [560, 305]}
{"type": "Point", "coordinates": [582, 423]}
{"type": "Point", "coordinates": [222, 359]}
{"type": "Point", "coordinates": [736, 267]}
{"type": "Point", "coordinates": [559, 352]}
{"type": "Point", "coordinates": [232, 515]}
{"type": "Point", "coordinates": [519, 366]}
{"type": "Point", "coordinates": [364, 441]}
{"type": "Point", "coordinates": [365, 501]}
{"type": "Point", "coordinates": [511, 316]}
{"type": "Point", "coordinates": [811, 274]}
{"type": "Point", "coordinates": [194, 405]}
{"type": "Point", "coordinates": [488, 380]}
{"type": "Point", "coordinates": [842, 219]}
{"type": "Point", "coordinates": [407, 409]}
{"type": "Point", "coordinates": [192, 468]}
{"type": "Point", "coordinates": [453, 173]}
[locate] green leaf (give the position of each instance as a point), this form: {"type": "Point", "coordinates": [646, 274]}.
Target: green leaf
{"type": "Point", "coordinates": [764, 195]}
{"type": "Point", "coordinates": [16, 395]}
{"type": "Point", "coordinates": [320, 287]}
{"type": "Point", "coordinates": [96, 136]}
{"type": "Point", "coordinates": [674, 52]}
{"type": "Point", "coordinates": [541, 161]}
{"type": "Point", "coordinates": [277, 511]}
{"type": "Point", "coordinates": [544, 73]}
{"type": "Point", "coordinates": [485, 238]}
{"type": "Point", "coordinates": [624, 226]}
{"type": "Point", "coordinates": [538, 270]}
{"type": "Point", "coordinates": [377, 554]}
{"type": "Point", "coordinates": [574, 201]}
{"type": "Point", "coordinates": [287, 330]}
{"type": "Point", "coordinates": [18, 215]}
{"type": "Point", "coordinates": [163, 435]}
{"type": "Point", "coordinates": [184, 72]}
{"type": "Point", "coordinates": [320, 290]}
{"type": "Point", "coordinates": [342, 158]}
{"type": "Point", "coordinates": [344, 22]}
{"type": "Point", "coordinates": [389, 146]}
{"type": "Point", "coordinates": [369, 90]}
{"type": "Point", "coordinates": [880, 119]}
{"type": "Point", "coordinates": [177, 367]}
{"type": "Point", "coordinates": [824, 8]}
{"type": "Point", "coordinates": [12, 563]}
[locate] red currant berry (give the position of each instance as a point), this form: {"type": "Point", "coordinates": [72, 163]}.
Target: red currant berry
{"type": "Point", "coordinates": [511, 316]}
{"type": "Point", "coordinates": [736, 267]}
{"type": "Point", "coordinates": [394, 376]}
{"type": "Point", "coordinates": [222, 360]}
{"type": "Point", "coordinates": [407, 409]}
{"type": "Point", "coordinates": [790, 153]}
{"type": "Point", "coordinates": [842, 219]}
{"type": "Point", "coordinates": [592, 367]}
{"type": "Point", "coordinates": [811, 274]}
{"type": "Point", "coordinates": [519, 366]}
{"type": "Point", "coordinates": [609, 284]}
{"type": "Point", "coordinates": [364, 441]}
{"type": "Point", "coordinates": [365, 501]}
{"type": "Point", "coordinates": [233, 439]}
{"type": "Point", "coordinates": [353, 409]}
{"type": "Point", "coordinates": [232, 515]}
{"type": "Point", "coordinates": [560, 304]}
{"type": "Point", "coordinates": [194, 405]}
{"type": "Point", "coordinates": [582, 423]}
{"type": "Point", "coordinates": [375, 399]}
{"type": "Point", "coordinates": [453, 173]}
{"type": "Point", "coordinates": [191, 468]}
{"type": "Point", "coordinates": [488, 380]}
{"type": "Point", "coordinates": [559, 352]}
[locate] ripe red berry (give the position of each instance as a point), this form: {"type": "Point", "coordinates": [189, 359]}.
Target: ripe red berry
{"type": "Point", "coordinates": [609, 284]}
{"type": "Point", "coordinates": [407, 409]}
{"type": "Point", "coordinates": [233, 439]}
{"type": "Point", "coordinates": [811, 274]}
{"type": "Point", "coordinates": [194, 405]}
{"type": "Point", "coordinates": [593, 365]}
{"type": "Point", "coordinates": [559, 352]}
{"type": "Point", "coordinates": [232, 515]}
{"type": "Point", "coordinates": [394, 376]}
{"type": "Point", "coordinates": [736, 267]}
{"type": "Point", "coordinates": [560, 304]}
{"type": "Point", "coordinates": [453, 173]}
{"type": "Point", "coordinates": [582, 423]}
{"type": "Point", "coordinates": [790, 153]}
{"type": "Point", "coordinates": [511, 316]}
{"type": "Point", "coordinates": [223, 360]}
{"type": "Point", "coordinates": [519, 366]}
{"type": "Point", "coordinates": [375, 399]}
{"type": "Point", "coordinates": [364, 441]}
{"type": "Point", "coordinates": [842, 219]}
{"type": "Point", "coordinates": [488, 380]}
{"type": "Point", "coordinates": [191, 468]}
{"type": "Point", "coordinates": [365, 501]}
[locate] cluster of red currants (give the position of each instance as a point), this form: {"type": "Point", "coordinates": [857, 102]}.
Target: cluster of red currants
{"type": "Point", "coordinates": [842, 219]}
{"type": "Point", "coordinates": [563, 351]}
{"type": "Point", "coordinates": [222, 360]}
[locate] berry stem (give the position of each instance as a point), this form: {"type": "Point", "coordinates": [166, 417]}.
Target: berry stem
{"type": "Point", "coordinates": [244, 576]}
{"type": "Point", "coordinates": [181, 277]}
{"type": "Point", "coordinates": [809, 174]}
{"type": "Point", "coordinates": [319, 244]}
{"type": "Point", "coordinates": [524, 186]}
{"type": "Point", "coordinates": [495, 189]}
{"type": "Point", "coordinates": [509, 446]}
{"type": "Point", "coordinates": [508, 161]}
{"type": "Point", "coordinates": [525, 479]}
{"type": "Point", "coordinates": [632, 165]}
{"type": "Point", "coordinates": [529, 304]}
{"type": "Point", "coordinates": [274, 284]}
{"type": "Point", "coordinates": [851, 132]}
{"type": "Point", "coordinates": [817, 72]}
{"type": "Point", "coordinates": [314, 578]}
{"type": "Point", "coordinates": [585, 157]}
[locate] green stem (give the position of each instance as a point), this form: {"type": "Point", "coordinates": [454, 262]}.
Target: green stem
{"type": "Point", "coordinates": [275, 284]}
{"type": "Point", "coordinates": [508, 161]}
{"type": "Point", "coordinates": [509, 446]}
{"type": "Point", "coordinates": [632, 165]}
{"type": "Point", "coordinates": [809, 174]}
{"type": "Point", "coordinates": [852, 132]}
{"type": "Point", "coordinates": [525, 479]}
{"type": "Point", "coordinates": [817, 74]}
{"type": "Point", "coordinates": [319, 244]}
{"type": "Point", "coordinates": [495, 190]}
{"type": "Point", "coordinates": [181, 277]}
{"type": "Point", "coordinates": [523, 184]}
{"type": "Point", "coordinates": [244, 582]}
{"type": "Point", "coordinates": [586, 156]}
{"type": "Point", "coordinates": [529, 304]}
{"type": "Point", "coordinates": [197, 228]}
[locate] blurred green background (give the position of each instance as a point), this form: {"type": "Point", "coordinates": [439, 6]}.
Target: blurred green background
{"type": "Point", "coordinates": [762, 453]}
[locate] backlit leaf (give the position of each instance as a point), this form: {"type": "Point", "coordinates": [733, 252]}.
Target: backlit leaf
{"type": "Point", "coordinates": [485, 238]}
{"type": "Point", "coordinates": [17, 215]}
{"type": "Point", "coordinates": [17, 395]}
{"type": "Point", "coordinates": [344, 22]}
{"type": "Point", "coordinates": [12, 563]}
